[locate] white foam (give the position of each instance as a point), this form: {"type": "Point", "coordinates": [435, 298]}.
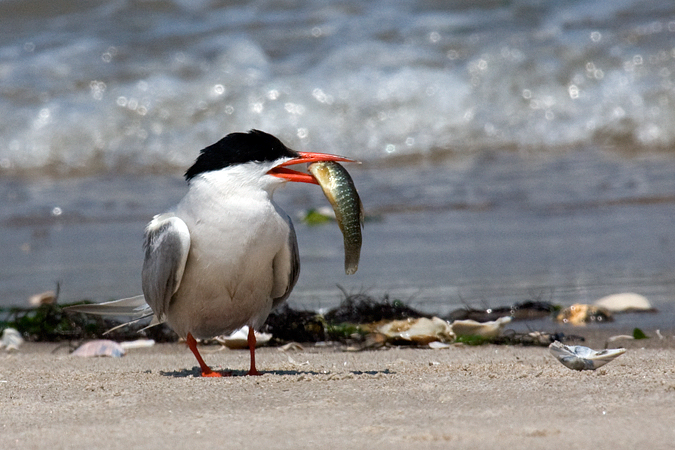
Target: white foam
{"type": "Point", "coordinates": [367, 81]}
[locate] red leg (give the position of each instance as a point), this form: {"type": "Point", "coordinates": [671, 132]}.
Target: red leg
{"type": "Point", "coordinates": [251, 348]}
{"type": "Point", "coordinates": [206, 370]}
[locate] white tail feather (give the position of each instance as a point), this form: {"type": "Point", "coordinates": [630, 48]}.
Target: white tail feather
{"type": "Point", "coordinates": [135, 307]}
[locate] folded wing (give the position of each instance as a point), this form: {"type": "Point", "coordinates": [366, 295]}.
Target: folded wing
{"type": "Point", "coordinates": [167, 243]}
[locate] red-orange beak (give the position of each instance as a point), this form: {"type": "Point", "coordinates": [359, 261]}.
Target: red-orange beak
{"type": "Point", "coordinates": [305, 157]}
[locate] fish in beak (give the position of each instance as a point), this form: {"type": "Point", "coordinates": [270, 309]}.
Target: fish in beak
{"type": "Point", "coordinates": [282, 171]}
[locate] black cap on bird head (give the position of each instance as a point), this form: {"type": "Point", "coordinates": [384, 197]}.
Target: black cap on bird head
{"type": "Point", "coordinates": [239, 148]}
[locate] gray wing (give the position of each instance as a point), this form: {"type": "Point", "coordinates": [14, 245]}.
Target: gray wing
{"type": "Point", "coordinates": [286, 267]}
{"type": "Point", "coordinates": [167, 243]}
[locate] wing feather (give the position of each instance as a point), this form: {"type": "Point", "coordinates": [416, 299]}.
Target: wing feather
{"type": "Point", "coordinates": [286, 267]}
{"type": "Point", "coordinates": [167, 244]}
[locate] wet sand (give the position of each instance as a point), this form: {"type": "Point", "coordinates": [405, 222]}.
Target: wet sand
{"type": "Point", "coordinates": [489, 397]}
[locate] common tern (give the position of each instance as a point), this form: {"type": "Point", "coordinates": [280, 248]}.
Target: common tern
{"type": "Point", "coordinates": [227, 254]}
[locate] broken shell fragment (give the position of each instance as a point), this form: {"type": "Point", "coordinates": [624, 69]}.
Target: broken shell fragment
{"type": "Point", "coordinates": [291, 347]}
{"type": "Point", "coordinates": [436, 345]}
{"type": "Point", "coordinates": [419, 331]}
{"type": "Point", "coordinates": [138, 343]}
{"type": "Point", "coordinates": [43, 298]}
{"type": "Point", "coordinates": [580, 314]}
{"type": "Point", "coordinates": [11, 340]}
{"type": "Point", "coordinates": [99, 347]}
{"type": "Point", "coordinates": [239, 339]}
{"type": "Point", "coordinates": [577, 357]}
{"type": "Point", "coordinates": [487, 330]}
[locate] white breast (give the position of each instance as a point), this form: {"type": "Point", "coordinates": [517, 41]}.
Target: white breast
{"type": "Point", "coordinates": [229, 275]}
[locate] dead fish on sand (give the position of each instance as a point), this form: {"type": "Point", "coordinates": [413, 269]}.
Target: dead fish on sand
{"type": "Point", "coordinates": [577, 357]}
{"type": "Point", "coordinates": [340, 191]}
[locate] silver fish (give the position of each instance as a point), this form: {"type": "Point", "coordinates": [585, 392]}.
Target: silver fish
{"type": "Point", "coordinates": [340, 191]}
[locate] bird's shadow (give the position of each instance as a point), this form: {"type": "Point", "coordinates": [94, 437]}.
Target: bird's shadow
{"type": "Point", "coordinates": [197, 373]}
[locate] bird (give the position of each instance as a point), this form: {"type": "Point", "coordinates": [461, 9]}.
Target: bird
{"type": "Point", "coordinates": [226, 254]}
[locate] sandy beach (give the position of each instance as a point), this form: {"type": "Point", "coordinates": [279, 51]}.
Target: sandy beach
{"type": "Point", "coordinates": [490, 397]}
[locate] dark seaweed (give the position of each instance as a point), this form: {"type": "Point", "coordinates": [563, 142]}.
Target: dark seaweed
{"type": "Point", "coordinates": [527, 310]}
{"type": "Point", "coordinates": [292, 325]}
{"type": "Point", "coordinates": [362, 308]}
{"type": "Point", "coordinates": [51, 323]}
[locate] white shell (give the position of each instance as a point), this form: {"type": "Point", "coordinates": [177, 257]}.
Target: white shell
{"type": "Point", "coordinates": [483, 329]}
{"type": "Point", "coordinates": [43, 298]}
{"type": "Point", "coordinates": [577, 357]}
{"type": "Point", "coordinates": [437, 345]}
{"type": "Point", "coordinates": [420, 331]}
{"type": "Point", "coordinates": [291, 347]}
{"type": "Point", "coordinates": [627, 301]}
{"type": "Point", "coordinates": [239, 339]}
{"type": "Point", "coordinates": [138, 343]}
{"type": "Point", "coordinates": [11, 339]}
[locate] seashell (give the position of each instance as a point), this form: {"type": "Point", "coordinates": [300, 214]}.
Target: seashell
{"type": "Point", "coordinates": [291, 347]}
{"type": "Point", "coordinates": [620, 337]}
{"type": "Point", "coordinates": [239, 339]}
{"type": "Point", "coordinates": [420, 331]}
{"type": "Point", "coordinates": [43, 298]}
{"type": "Point", "coordinates": [100, 347]}
{"type": "Point", "coordinates": [625, 302]}
{"type": "Point", "coordinates": [580, 314]}
{"type": "Point", "coordinates": [483, 329]}
{"type": "Point", "coordinates": [138, 343]}
{"type": "Point", "coordinates": [577, 357]}
{"type": "Point", "coordinates": [436, 345]}
{"type": "Point", "coordinates": [11, 340]}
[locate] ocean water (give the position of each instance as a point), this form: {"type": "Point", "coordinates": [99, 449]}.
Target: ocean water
{"type": "Point", "coordinates": [510, 149]}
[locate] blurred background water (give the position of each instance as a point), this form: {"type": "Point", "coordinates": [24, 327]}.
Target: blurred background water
{"type": "Point", "coordinates": [511, 149]}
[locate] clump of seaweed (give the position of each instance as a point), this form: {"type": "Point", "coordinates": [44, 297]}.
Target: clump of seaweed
{"type": "Point", "coordinates": [50, 322]}
{"type": "Point", "coordinates": [342, 324]}
{"type": "Point", "coordinates": [533, 338]}
{"type": "Point", "coordinates": [362, 308]}
{"type": "Point", "coordinates": [527, 310]}
{"type": "Point", "coordinates": [292, 325]}
{"type": "Point", "coordinates": [355, 323]}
